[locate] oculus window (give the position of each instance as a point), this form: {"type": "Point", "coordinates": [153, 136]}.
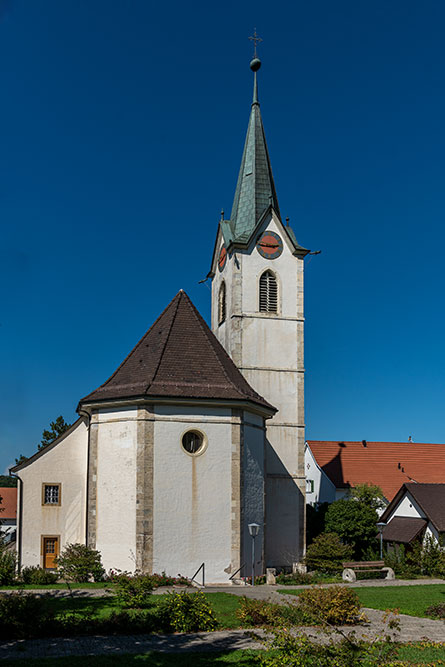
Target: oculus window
{"type": "Point", "coordinates": [194, 442]}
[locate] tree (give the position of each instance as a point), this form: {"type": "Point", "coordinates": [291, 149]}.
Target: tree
{"type": "Point", "coordinates": [354, 522]}
{"type": "Point", "coordinates": [57, 429]}
{"type": "Point", "coordinates": [6, 480]}
{"type": "Point", "coordinates": [369, 494]}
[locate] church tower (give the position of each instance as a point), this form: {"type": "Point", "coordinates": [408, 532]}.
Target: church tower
{"type": "Point", "coordinates": [257, 315]}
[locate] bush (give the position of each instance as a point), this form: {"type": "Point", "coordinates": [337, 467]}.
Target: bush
{"type": "Point", "coordinates": [33, 574]}
{"type": "Point", "coordinates": [188, 612]}
{"type": "Point", "coordinates": [296, 578]}
{"type": "Point", "coordinates": [436, 610]}
{"type": "Point", "coordinates": [433, 558]}
{"type": "Point", "coordinates": [133, 591]}
{"type": "Point", "coordinates": [253, 612]}
{"type": "Point", "coordinates": [286, 650]}
{"type": "Point", "coordinates": [327, 553]}
{"type": "Point", "coordinates": [7, 567]}
{"type": "Point", "coordinates": [80, 563]}
{"type": "Point", "coordinates": [335, 605]}
{"type": "Point", "coordinates": [406, 564]}
{"type": "Point", "coordinates": [165, 580]}
{"type": "Point", "coordinates": [22, 615]}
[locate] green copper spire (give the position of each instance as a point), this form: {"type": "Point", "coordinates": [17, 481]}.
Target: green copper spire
{"type": "Point", "coordinates": [255, 189]}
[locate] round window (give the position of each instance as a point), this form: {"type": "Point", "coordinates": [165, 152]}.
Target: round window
{"type": "Point", "coordinates": [193, 442]}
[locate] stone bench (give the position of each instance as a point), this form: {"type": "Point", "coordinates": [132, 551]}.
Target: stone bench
{"type": "Point", "coordinates": [350, 568]}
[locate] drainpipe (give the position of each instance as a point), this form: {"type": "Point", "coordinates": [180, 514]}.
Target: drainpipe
{"type": "Point", "coordinates": [84, 413]}
{"type": "Point", "coordinates": [20, 522]}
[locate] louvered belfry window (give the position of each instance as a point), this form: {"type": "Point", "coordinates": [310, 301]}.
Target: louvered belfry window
{"type": "Point", "coordinates": [268, 293]}
{"type": "Point", "coordinates": [222, 303]}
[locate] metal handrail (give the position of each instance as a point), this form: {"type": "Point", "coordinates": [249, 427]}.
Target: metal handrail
{"type": "Point", "coordinates": [238, 570]}
{"type": "Point", "coordinates": [201, 567]}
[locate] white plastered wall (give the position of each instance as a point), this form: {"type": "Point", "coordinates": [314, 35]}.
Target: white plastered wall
{"type": "Point", "coordinates": [192, 494]}
{"type": "Point", "coordinates": [268, 348]}
{"type": "Point", "coordinates": [65, 464]}
{"type": "Point", "coordinates": [324, 491]}
{"type": "Point", "coordinates": [116, 488]}
{"type": "Point", "coordinates": [253, 491]}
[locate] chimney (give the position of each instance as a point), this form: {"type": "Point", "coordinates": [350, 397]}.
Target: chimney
{"type": "Point", "coordinates": [364, 443]}
{"type": "Point", "coordinates": [410, 439]}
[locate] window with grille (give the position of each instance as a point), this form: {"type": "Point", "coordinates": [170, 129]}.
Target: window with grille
{"type": "Point", "coordinates": [222, 303]}
{"type": "Point", "coordinates": [51, 494]}
{"type": "Point", "coordinates": [268, 293]}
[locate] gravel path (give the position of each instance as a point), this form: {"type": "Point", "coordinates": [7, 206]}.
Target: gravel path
{"type": "Point", "coordinates": [411, 629]}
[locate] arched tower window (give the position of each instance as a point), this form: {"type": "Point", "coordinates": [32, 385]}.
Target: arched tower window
{"type": "Point", "coordinates": [222, 303]}
{"type": "Point", "coordinates": [268, 293]}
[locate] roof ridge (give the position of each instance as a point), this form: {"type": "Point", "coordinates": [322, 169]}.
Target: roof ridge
{"type": "Point", "coordinates": [212, 338]}
{"type": "Point", "coordinates": [137, 345]}
{"type": "Point", "coordinates": [205, 330]}
{"type": "Point", "coordinates": [178, 301]}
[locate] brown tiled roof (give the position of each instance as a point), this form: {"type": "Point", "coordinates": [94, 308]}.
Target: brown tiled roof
{"type": "Point", "coordinates": [8, 494]}
{"type": "Point", "coordinates": [403, 529]}
{"type": "Point", "coordinates": [431, 498]}
{"type": "Point", "coordinates": [179, 357]}
{"type": "Point", "coordinates": [387, 464]}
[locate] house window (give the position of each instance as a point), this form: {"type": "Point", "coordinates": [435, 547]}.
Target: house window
{"type": "Point", "coordinates": [309, 486]}
{"type": "Point", "coordinates": [194, 442]}
{"type": "Point", "coordinates": [268, 293]}
{"type": "Point", "coordinates": [222, 303]}
{"type": "Point", "coordinates": [51, 494]}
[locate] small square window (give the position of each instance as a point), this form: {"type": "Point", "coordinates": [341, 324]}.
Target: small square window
{"type": "Point", "coordinates": [309, 486]}
{"type": "Point", "coordinates": [51, 494]}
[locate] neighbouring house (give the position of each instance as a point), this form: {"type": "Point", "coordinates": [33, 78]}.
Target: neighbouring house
{"type": "Point", "coordinates": [333, 467]}
{"type": "Point", "coordinates": [199, 432]}
{"type": "Point", "coordinates": [8, 513]}
{"type": "Point", "coordinates": [416, 511]}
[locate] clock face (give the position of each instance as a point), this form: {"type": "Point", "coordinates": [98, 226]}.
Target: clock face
{"type": "Point", "coordinates": [222, 258]}
{"type": "Point", "coordinates": [269, 245]}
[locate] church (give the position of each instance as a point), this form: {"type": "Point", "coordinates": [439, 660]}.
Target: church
{"type": "Point", "coordinates": [200, 431]}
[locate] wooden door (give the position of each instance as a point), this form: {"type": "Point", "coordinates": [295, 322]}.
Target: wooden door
{"type": "Point", "coordinates": [50, 552]}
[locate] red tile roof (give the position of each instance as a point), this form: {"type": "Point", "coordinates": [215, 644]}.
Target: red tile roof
{"type": "Point", "coordinates": [387, 464]}
{"type": "Point", "coordinates": [8, 503]}
{"type": "Point", "coordinates": [179, 357]}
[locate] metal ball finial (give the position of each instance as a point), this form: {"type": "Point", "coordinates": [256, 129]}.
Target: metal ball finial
{"type": "Point", "coordinates": [255, 64]}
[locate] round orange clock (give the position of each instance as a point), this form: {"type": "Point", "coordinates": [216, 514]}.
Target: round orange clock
{"type": "Point", "coordinates": [222, 258]}
{"type": "Point", "coordinates": [269, 245]}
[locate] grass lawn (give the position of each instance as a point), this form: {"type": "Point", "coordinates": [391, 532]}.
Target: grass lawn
{"type": "Point", "coordinates": [223, 604]}
{"type": "Point", "coordinates": [35, 587]}
{"type": "Point", "coordinates": [414, 653]}
{"type": "Point", "coordinates": [412, 600]}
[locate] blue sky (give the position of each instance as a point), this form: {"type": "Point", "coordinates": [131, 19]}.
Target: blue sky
{"type": "Point", "coordinates": [121, 132]}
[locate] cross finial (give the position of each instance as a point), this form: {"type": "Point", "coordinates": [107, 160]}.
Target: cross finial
{"type": "Point", "coordinates": [255, 39]}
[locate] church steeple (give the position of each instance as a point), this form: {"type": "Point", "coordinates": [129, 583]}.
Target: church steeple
{"type": "Point", "coordinates": [255, 189]}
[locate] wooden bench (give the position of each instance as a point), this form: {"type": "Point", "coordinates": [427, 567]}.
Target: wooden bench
{"type": "Point", "coordinates": [350, 568]}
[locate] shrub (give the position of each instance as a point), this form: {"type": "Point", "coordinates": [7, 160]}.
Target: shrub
{"type": "Point", "coordinates": [22, 615]}
{"type": "Point", "coordinates": [188, 612]}
{"type": "Point", "coordinates": [433, 557]}
{"type": "Point", "coordinates": [7, 567]}
{"type": "Point", "coordinates": [133, 591]}
{"type": "Point", "coordinates": [436, 610]}
{"type": "Point", "coordinates": [327, 553]}
{"type": "Point", "coordinates": [80, 563]}
{"type": "Point", "coordinates": [165, 580]}
{"type": "Point", "coordinates": [287, 650]}
{"type": "Point", "coordinates": [253, 612]}
{"type": "Point", "coordinates": [335, 605]}
{"type": "Point", "coordinates": [406, 564]}
{"type": "Point", "coordinates": [33, 574]}
{"type": "Point", "coordinates": [296, 578]}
